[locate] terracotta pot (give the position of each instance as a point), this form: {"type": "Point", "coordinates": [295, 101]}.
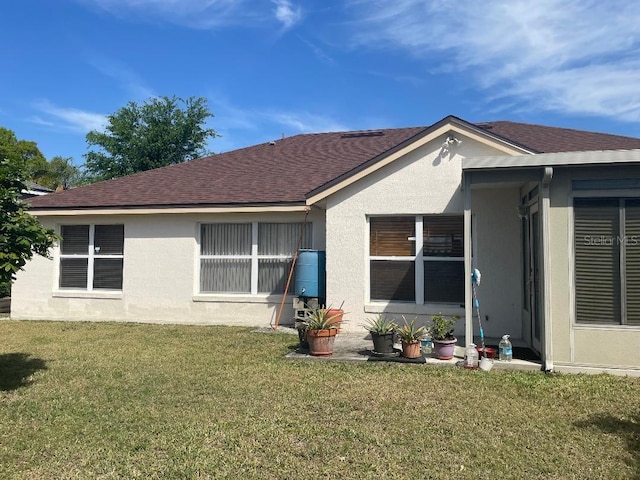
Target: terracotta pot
{"type": "Point", "coordinates": [321, 341]}
{"type": "Point", "coordinates": [411, 349]}
{"type": "Point", "coordinates": [382, 342]}
{"type": "Point", "coordinates": [336, 315]}
{"type": "Point", "coordinates": [443, 349]}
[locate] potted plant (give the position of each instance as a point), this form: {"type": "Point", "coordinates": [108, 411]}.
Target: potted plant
{"type": "Point", "coordinates": [322, 328]}
{"type": "Point", "coordinates": [410, 334]}
{"type": "Point", "coordinates": [441, 331]}
{"type": "Point", "coordinates": [382, 330]}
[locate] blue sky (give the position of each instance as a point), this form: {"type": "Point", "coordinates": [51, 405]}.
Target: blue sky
{"type": "Point", "coordinates": [269, 67]}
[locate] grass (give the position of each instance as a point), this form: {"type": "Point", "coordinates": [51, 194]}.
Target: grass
{"type": "Point", "coordinates": [94, 400]}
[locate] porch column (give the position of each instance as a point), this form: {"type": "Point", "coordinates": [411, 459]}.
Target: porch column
{"type": "Point", "coordinates": [545, 210]}
{"type": "Point", "coordinates": [468, 302]}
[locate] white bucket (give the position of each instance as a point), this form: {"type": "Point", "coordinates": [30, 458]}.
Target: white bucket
{"type": "Point", "coordinates": [486, 364]}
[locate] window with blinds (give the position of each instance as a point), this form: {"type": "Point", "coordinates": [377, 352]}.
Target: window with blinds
{"type": "Point", "coordinates": [249, 258]}
{"type": "Point", "coordinates": [417, 259]}
{"type": "Point", "coordinates": [91, 257]}
{"type": "Point", "coordinates": [607, 260]}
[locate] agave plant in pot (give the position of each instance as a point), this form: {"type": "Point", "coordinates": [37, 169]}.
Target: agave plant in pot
{"type": "Point", "coordinates": [410, 334]}
{"type": "Point", "coordinates": [441, 331]}
{"type": "Point", "coordinates": [322, 328]}
{"type": "Point", "coordinates": [382, 330]}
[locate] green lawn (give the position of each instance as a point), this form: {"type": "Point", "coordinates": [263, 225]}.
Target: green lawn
{"type": "Point", "coordinates": [90, 400]}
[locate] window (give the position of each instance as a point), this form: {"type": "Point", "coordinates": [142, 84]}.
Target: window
{"type": "Point", "coordinates": [417, 259]}
{"type": "Point", "coordinates": [607, 260]}
{"type": "Point", "coordinates": [91, 257]}
{"type": "Point", "coordinates": [248, 257]}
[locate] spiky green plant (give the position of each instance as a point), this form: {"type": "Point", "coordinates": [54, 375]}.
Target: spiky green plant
{"type": "Point", "coordinates": [381, 324]}
{"type": "Point", "coordinates": [410, 332]}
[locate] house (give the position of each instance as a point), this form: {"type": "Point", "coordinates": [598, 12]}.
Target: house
{"type": "Point", "coordinates": [33, 190]}
{"type": "Point", "coordinates": [550, 216]}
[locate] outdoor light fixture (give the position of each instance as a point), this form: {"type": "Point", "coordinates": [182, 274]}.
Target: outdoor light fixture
{"type": "Point", "coordinates": [522, 211]}
{"type": "Point", "coordinates": [450, 142]}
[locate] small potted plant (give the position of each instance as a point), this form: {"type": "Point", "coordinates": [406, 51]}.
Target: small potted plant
{"type": "Point", "coordinates": [410, 334]}
{"type": "Point", "coordinates": [382, 330]}
{"type": "Point", "coordinates": [322, 328]}
{"type": "Point", "coordinates": [441, 331]}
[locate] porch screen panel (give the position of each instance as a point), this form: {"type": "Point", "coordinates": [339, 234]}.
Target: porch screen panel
{"type": "Point", "coordinates": [597, 260]}
{"type": "Point", "coordinates": [632, 264]}
{"type": "Point", "coordinates": [225, 275]}
{"type": "Point", "coordinates": [443, 236]}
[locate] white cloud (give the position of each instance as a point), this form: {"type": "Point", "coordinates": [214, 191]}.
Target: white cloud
{"type": "Point", "coordinates": [574, 56]}
{"type": "Point", "coordinates": [71, 119]}
{"type": "Point", "coordinates": [130, 81]}
{"type": "Point", "coordinates": [203, 14]}
{"type": "Point", "coordinates": [287, 13]}
{"type": "Point", "coordinates": [318, 52]}
{"type": "Point", "coordinates": [304, 122]}
{"type": "Point", "coordinates": [240, 126]}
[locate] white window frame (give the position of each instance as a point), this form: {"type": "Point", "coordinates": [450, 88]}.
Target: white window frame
{"type": "Point", "coordinates": [418, 260]}
{"type": "Point", "coordinates": [253, 257]}
{"type": "Point", "coordinates": [90, 256]}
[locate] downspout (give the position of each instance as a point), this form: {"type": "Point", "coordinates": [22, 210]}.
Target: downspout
{"type": "Point", "coordinates": [468, 305]}
{"type": "Point", "coordinates": [546, 269]}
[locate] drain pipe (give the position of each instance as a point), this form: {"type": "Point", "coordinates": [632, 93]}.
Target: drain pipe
{"type": "Point", "coordinates": [307, 209]}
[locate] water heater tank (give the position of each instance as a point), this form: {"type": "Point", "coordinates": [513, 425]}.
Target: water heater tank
{"type": "Point", "coordinates": [310, 274]}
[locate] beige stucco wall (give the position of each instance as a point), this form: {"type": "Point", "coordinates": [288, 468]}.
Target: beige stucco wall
{"type": "Point", "coordinates": [498, 257]}
{"type": "Point", "coordinates": [159, 280]}
{"type": "Point", "coordinates": [426, 181]}
{"type": "Point", "coordinates": [578, 344]}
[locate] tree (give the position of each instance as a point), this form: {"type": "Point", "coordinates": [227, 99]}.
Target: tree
{"type": "Point", "coordinates": [155, 134]}
{"type": "Point", "coordinates": [21, 234]}
{"type": "Point", "coordinates": [59, 172]}
{"type": "Point", "coordinates": [24, 152]}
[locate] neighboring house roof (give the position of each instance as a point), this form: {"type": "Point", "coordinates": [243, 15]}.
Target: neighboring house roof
{"type": "Point", "coordinates": [285, 171]}
{"type": "Point", "coordinates": [33, 189]}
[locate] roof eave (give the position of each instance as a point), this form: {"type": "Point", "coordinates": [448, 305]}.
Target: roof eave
{"type": "Point", "coordinates": [170, 209]}
{"type": "Point", "coordinates": [559, 159]}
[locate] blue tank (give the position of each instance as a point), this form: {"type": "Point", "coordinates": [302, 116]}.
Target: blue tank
{"type": "Point", "coordinates": [310, 274]}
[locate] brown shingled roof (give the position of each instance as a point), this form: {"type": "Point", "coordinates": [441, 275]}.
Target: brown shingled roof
{"type": "Point", "coordinates": [285, 171]}
{"type": "Point", "coordinates": [544, 139]}
{"type": "Point", "coordinates": [282, 171]}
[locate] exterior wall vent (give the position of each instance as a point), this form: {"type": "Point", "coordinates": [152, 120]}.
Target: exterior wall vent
{"type": "Point", "coordinates": [369, 133]}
